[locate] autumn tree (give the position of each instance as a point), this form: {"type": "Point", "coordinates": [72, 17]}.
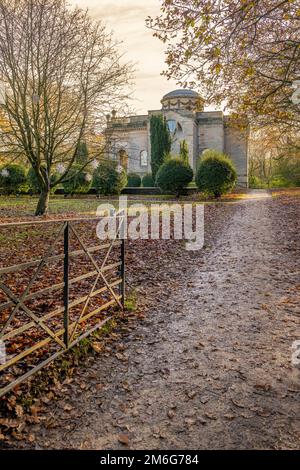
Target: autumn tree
{"type": "Point", "coordinates": [242, 52]}
{"type": "Point", "coordinates": [62, 73]}
{"type": "Point", "coordinates": [274, 155]}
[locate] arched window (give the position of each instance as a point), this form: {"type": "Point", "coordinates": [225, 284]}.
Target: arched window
{"type": "Point", "coordinates": [175, 128]}
{"type": "Point", "coordinates": [144, 158]}
{"type": "Point", "coordinates": [172, 126]}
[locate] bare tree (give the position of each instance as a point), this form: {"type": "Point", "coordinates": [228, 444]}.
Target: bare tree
{"type": "Point", "coordinates": [62, 74]}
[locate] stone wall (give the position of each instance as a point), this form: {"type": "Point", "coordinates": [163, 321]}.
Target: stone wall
{"type": "Point", "coordinates": [137, 142]}
{"type": "Point", "coordinates": [133, 140]}
{"type": "Point", "coordinates": [210, 131]}
{"type": "Point", "coordinates": [236, 146]}
{"type": "Point", "coordinates": [202, 130]}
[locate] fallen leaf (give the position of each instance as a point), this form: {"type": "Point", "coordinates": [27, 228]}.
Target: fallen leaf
{"type": "Point", "coordinates": [191, 394]}
{"type": "Point", "coordinates": [126, 386]}
{"type": "Point", "coordinates": [190, 422]}
{"type": "Point", "coordinates": [210, 416]}
{"type": "Point", "coordinates": [34, 410]}
{"type": "Point", "coordinates": [204, 399]}
{"type": "Point", "coordinates": [229, 417]}
{"type": "Point", "coordinates": [97, 346]}
{"type": "Point", "coordinates": [239, 405]}
{"type": "Point", "coordinates": [9, 423]}
{"type": "Point", "coordinates": [19, 411]}
{"type": "Point", "coordinates": [123, 439]}
{"type": "Point", "coordinates": [68, 407]}
{"type": "Point", "coordinates": [120, 356]}
{"type": "Point", "coordinates": [263, 386]}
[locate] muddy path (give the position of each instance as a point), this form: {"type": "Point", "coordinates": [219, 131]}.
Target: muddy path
{"type": "Point", "coordinates": [209, 367]}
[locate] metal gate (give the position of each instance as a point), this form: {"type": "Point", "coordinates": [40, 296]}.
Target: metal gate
{"type": "Point", "coordinates": [52, 300]}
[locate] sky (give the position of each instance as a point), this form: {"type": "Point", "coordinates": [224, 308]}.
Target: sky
{"type": "Point", "coordinates": [127, 19]}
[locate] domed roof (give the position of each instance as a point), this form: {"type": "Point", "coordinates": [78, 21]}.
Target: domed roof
{"type": "Point", "coordinates": [181, 93]}
{"type": "Point", "coordinates": [183, 100]}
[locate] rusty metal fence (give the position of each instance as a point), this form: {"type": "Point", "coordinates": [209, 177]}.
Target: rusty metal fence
{"type": "Point", "coordinates": [50, 302]}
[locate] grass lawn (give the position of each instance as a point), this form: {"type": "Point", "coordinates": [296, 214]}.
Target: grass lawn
{"type": "Point", "coordinates": [24, 206]}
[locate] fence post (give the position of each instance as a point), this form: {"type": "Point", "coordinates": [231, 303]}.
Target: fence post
{"type": "Point", "coordinates": [123, 252]}
{"type": "Point", "coordinates": [66, 285]}
{"type": "Point", "coordinates": [123, 272]}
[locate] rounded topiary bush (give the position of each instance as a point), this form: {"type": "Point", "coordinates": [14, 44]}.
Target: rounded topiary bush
{"type": "Point", "coordinates": [216, 174]}
{"type": "Point", "coordinates": [109, 178]}
{"type": "Point", "coordinates": [133, 180]}
{"type": "Point", "coordinates": [174, 175]}
{"type": "Point", "coordinates": [148, 181]}
{"type": "Point", "coordinates": [13, 179]}
{"type": "Point", "coordinates": [78, 180]}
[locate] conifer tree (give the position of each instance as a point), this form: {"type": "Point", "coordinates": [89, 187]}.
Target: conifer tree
{"type": "Point", "coordinates": [184, 151]}
{"type": "Point", "coordinates": [160, 142]}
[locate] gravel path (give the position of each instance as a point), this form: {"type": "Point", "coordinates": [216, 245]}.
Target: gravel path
{"type": "Point", "coordinates": [210, 365]}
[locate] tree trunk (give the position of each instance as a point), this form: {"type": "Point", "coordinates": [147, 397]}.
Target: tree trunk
{"type": "Point", "coordinates": [42, 207]}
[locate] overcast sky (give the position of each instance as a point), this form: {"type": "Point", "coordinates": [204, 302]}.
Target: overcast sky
{"type": "Point", "coordinates": [127, 19]}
